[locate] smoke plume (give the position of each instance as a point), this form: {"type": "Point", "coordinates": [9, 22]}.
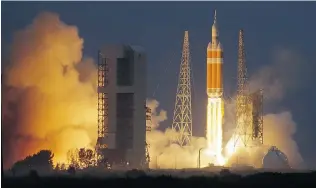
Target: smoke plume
{"type": "Point", "coordinates": [49, 94]}
{"type": "Point", "coordinates": [287, 72]}
{"type": "Point", "coordinates": [164, 153]}
{"type": "Point", "coordinates": [157, 118]}
{"type": "Point", "coordinates": [279, 127]}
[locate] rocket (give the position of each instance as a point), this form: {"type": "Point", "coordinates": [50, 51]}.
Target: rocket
{"type": "Point", "coordinates": [214, 82]}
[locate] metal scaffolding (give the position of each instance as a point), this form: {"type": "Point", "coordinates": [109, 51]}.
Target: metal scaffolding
{"type": "Point", "coordinates": [102, 100]}
{"type": "Point", "coordinates": [182, 117]}
{"type": "Point", "coordinates": [249, 107]}
{"type": "Point", "coordinates": [148, 129]}
{"type": "Point", "coordinates": [257, 116]}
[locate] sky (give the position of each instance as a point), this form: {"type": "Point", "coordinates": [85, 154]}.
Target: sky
{"type": "Point", "coordinates": [159, 27]}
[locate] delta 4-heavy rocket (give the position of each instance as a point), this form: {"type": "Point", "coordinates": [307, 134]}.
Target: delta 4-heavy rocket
{"type": "Point", "coordinates": [214, 87]}
{"type": "Point", "coordinates": [214, 65]}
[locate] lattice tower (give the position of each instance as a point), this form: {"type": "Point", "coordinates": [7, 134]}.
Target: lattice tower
{"type": "Point", "coordinates": [182, 117]}
{"type": "Point", "coordinates": [257, 117]}
{"type": "Point", "coordinates": [103, 81]}
{"type": "Point", "coordinates": [148, 129]}
{"type": "Point", "coordinates": [243, 120]}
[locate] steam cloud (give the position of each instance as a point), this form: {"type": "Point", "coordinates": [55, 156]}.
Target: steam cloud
{"type": "Point", "coordinates": [280, 127]}
{"type": "Point", "coordinates": [163, 153]}
{"type": "Point", "coordinates": [49, 93]}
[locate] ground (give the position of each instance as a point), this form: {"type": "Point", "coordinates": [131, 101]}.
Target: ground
{"type": "Point", "coordinates": [164, 178]}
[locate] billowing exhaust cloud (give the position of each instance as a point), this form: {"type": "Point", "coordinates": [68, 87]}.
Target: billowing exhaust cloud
{"type": "Point", "coordinates": [166, 154]}
{"type": "Point", "coordinates": [157, 118]}
{"type": "Point", "coordinates": [49, 94]}
{"type": "Point", "coordinates": [279, 127]}
{"type": "Point", "coordinates": [286, 73]}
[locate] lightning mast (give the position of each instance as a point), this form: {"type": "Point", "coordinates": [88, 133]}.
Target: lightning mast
{"type": "Point", "coordinates": [244, 131]}
{"type": "Point", "coordinates": [182, 117]}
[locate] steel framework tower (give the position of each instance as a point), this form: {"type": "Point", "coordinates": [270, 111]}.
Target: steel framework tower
{"type": "Point", "coordinates": [257, 116]}
{"type": "Point", "coordinates": [244, 131]}
{"type": "Point", "coordinates": [148, 129]}
{"type": "Point", "coordinates": [102, 101]}
{"type": "Point", "coordinates": [182, 117]}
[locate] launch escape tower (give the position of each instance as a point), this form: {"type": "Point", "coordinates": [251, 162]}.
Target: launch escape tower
{"type": "Point", "coordinates": [121, 98]}
{"type": "Point", "coordinates": [249, 107]}
{"type": "Point", "coordinates": [182, 117]}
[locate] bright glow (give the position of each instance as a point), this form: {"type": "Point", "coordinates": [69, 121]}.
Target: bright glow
{"type": "Point", "coordinates": [230, 148]}
{"type": "Point", "coordinates": [236, 141]}
{"type": "Point", "coordinates": [54, 88]}
{"type": "Point", "coordinates": [214, 131]}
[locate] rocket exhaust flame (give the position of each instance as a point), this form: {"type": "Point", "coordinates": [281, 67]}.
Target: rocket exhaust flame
{"type": "Point", "coordinates": [214, 128]}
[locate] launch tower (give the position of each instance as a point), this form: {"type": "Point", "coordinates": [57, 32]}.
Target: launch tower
{"type": "Point", "coordinates": [249, 107]}
{"type": "Point", "coordinates": [257, 117]}
{"type": "Point", "coordinates": [182, 117]}
{"type": "Point", "coordinates": [103, 81]}
{"type": "Point", "coordinates": [148, 129]}
{"type": "Point", "coordinates": [121, 98]}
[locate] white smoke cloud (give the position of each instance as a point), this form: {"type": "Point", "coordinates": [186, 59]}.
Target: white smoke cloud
{"type": "Point", "coordinates": [157, 117]}
{"type": "Point", "coordinates": [165, 154]}
{"type": "Point", "coordinates": [276, 79]}
{"type": "Point", "coordinates": [287, 72]}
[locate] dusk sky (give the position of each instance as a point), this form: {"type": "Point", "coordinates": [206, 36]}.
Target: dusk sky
{"type": "Point", "coordinates": [159, 27]}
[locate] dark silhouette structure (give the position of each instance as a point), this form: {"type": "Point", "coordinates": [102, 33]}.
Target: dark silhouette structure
{"type": "Point", "coordinates": [41, 161]}
{"type": "Point", "coordinates": [136, 178]}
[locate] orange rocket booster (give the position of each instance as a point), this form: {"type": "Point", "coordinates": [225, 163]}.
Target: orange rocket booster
{"type": "Point", "coordinates": [214, 82]}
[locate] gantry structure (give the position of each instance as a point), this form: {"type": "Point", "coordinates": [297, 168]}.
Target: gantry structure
{"type": "Point", "coordinates": [148, 129]}
{"type": "Point", "coordinates": [103, 81]}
